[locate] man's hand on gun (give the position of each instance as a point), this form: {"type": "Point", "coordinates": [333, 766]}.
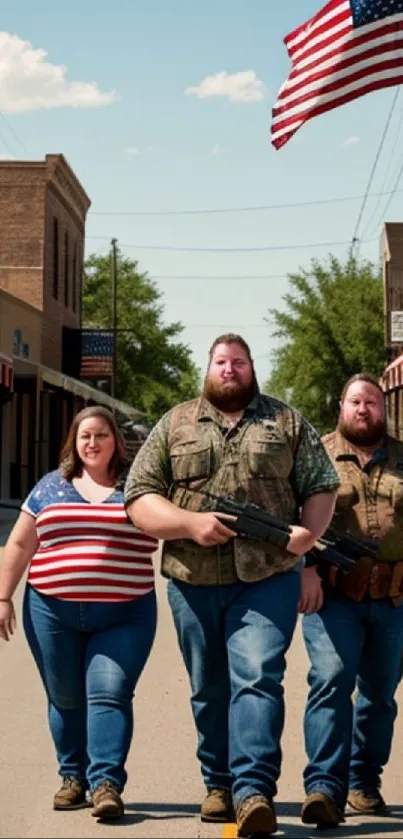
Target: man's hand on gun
{"type": "Point", "coordinates": [210, 529]}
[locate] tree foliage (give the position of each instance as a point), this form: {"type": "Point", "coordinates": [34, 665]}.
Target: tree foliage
{"type": "Point", "coordinates": [332, 327]}
{"type": "Point", "coordinates": [154, 370]}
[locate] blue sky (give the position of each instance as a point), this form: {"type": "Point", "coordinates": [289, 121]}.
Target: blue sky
{"type": "Point", "coordinates": [140, 143]}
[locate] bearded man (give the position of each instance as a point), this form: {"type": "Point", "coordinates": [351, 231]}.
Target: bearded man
{"type": "Point", "coordinates": [353, 623]}
{"type": "Point", "coordinates": [234, 600]}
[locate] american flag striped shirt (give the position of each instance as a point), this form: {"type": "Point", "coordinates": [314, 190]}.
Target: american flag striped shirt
{"type": "Point", "coordinates": [87, 551]}
{"type": "Point", "coordinates": [349, 48]}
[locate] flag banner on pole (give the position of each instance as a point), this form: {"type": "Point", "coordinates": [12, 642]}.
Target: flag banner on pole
{"type": "Point", "coordinates": [349, 48]}
{"type": "Point", "coordinates": [97, 348]}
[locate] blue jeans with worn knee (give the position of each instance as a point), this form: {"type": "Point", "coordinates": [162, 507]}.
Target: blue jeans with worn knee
{"type": "Point", "coordinates": [90, 657]}
{"type": "Point", "coordinates": [234, 639]}
{"type": "Point", "coordinates": [351, 646]}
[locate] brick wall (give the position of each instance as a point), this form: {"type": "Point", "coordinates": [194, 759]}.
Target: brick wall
{"type": "Point", "coordinates": [62, 305]}
{"type": "Point", "coordinates": [34, 198]}
{"type": "Point", "coordinates": [22, 192]}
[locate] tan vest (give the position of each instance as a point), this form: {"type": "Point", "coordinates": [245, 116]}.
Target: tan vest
{"type": "Point", "coordinates": [370, 504]}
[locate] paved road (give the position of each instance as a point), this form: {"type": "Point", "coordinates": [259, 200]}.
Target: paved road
{"type": "Point", "coordinates": [164, 790]}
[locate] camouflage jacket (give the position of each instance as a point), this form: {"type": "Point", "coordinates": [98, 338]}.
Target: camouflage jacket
{"type": "Point", "coordinates": [370, 499]}
{"type": "Point", "coordinates": [271, 457]}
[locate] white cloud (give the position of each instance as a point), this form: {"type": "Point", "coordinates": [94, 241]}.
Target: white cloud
{"type": "Point", "coordinates": [29, 82]}
{"type": "Point", "coordinates": [237, 87]}
{"type": "Point", "coordinates": [216, 149]}
{"type": "Point", "coordinates": [4, 155]}
{"type": "Point", "coordinates": [131, 151]}
{"type": "Point", "coordinates": [351, 141]}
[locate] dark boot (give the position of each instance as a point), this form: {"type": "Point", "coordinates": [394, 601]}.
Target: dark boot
{"type": "Point", "coordinates": [320, 809]}
{"type": "Point", "coordinates": [367, 802]}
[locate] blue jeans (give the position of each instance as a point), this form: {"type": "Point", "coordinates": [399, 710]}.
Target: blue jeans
{"type": "Point", "coordinates": [233, 640]}
{"type": "Point", "coordinates": [351, 646]}
{"type": "Point", "coordinates": [90, 657]}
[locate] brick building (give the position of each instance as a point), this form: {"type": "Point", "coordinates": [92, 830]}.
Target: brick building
{"type": "Point", "coordinates": [392, 379]}
{"type": "Point", "coordinates": [43, 209]}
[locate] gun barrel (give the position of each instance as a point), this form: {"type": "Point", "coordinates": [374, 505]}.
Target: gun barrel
{"type": "Point", "coordinates": [358, 547]}
{"type": "Point", "coordinates": [253, 512]}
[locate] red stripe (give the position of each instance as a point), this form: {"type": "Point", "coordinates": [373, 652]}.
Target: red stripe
{"type": "Point", "coordinates": [49, 571]}
{"type": "Point", "coordinates": [98, 597]}
{"type": "Point", "coordinates": [71, 535]}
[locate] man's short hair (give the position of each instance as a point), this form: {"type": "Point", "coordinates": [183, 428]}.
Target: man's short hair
{"type": "Point", "coordinates": [230, 338]}
{"type": "Point", "coordinates": [361, 377]}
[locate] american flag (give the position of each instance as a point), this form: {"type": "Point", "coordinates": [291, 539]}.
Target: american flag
{"type": "Point", "coordinates": [349, 48]}
{"type": "Point", "coordinates": [96, 353]}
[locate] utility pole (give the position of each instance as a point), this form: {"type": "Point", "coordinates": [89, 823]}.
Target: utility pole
{"type": "Point", "coordinates": [114, 282]}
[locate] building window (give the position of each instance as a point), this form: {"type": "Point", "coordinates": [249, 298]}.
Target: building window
{"type": "Point", "coordinates": [55, 258]}
{"type": "Point", "coordinates": [78, 273]}
{"type": "Point", "coordinates": [66, 270]}
{"type": "Point", "coordinates": [74, 280]}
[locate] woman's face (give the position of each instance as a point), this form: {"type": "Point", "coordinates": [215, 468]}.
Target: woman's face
{"type": "Point", "coordinates": [95, 443]}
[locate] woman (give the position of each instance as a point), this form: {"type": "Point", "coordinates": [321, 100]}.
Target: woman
{"type": "Point", "coordinates": [89, 609]}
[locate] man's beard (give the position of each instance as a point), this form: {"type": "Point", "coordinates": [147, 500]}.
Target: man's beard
{"type": "Point", "coordinates": [232, 397]}
{"type": "Point", "coordinates": [360, 436]}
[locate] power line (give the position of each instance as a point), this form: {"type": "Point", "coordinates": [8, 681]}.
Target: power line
{"type": "Point", "coordinates": [388, 171]}
{"type": "Point", "coordinates": [247, 209]}
{"type": "Point", "coordinates": [256, 249]}
{"type": "Point", "coordinates": [6, 144]}
{"type": "Point", "coordinates": [374, 166]}
{"type": "Point", "coordinates": [397, 181]}
{"type": "Point", "coordinates": [229, 277]}
{"type": "Point", "coordinates": [227, 326]}
{"type": "Point", "coordinates": [11, 130]}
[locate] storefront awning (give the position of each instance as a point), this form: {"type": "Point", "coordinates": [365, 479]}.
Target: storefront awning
{"type": "Point", "coordinates": [59, 380]}
{"type": "Point", "coordinates": [392, 376]}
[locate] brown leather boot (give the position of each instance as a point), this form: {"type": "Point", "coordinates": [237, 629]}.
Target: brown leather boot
{"type": "Point", "coordinates": [320, 809]}
{"type": "Point", "coordinates": [107, 801]}
{"type": "Point", "coordinates": [255, 814]}
{"type": "Point", "coordinates": [217, 806]}
{"type": "Point", "coordinates": [368, 803]}
{"type": "Point", "coordinates": [71, 795]}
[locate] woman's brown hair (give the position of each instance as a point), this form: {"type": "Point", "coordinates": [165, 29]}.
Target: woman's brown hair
{"type": "Point", "coordinates": [70, 464]}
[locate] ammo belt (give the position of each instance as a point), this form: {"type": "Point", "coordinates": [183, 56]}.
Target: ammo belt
{"type": "Point", "coordinates": [368, 578]}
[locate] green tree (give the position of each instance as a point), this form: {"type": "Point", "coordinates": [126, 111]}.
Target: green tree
{"type": "Point", "coordinates": [154, 370]}
{"type": "Point", "coordinates": [332, 327]}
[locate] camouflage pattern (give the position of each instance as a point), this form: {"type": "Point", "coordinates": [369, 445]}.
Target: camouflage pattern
{"type": "Point", "coordinates": [370, 502]}
{"type": "Point", "coordinates": [271, 457]}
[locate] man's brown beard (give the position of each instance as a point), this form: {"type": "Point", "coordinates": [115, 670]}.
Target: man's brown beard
{"type": "Point", "coordinates": [369, 436]}
{"type": "Point", "coordinates": [231, 398]}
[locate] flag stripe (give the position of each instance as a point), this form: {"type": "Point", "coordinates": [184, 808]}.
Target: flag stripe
{"type": "Point", "coordinates": [334, 62]}
{"type": "Point", "coordinates": [323, 60]}
{"type": "Point", "coordinates": [330, 92]}
{"type": "Point", "coordinates": [335, 12]}
{"type": "Point", "coordinates": [285, 134]}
